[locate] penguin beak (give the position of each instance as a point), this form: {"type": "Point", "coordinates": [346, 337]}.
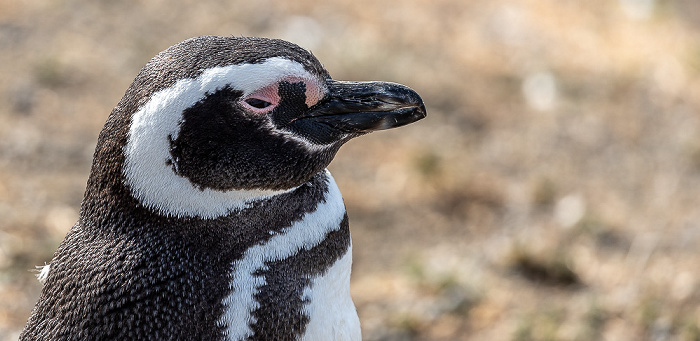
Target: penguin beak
{"type": "Point", "coordinates": [362, 107]}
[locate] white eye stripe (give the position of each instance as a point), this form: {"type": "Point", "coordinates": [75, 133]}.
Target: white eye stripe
{"type": "Point", "coordinates": [251, 77]}
{"type": "Point", "coordinates": [147, 151]}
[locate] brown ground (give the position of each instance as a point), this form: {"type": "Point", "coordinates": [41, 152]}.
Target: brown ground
{"type": "Point", "coordinates": [551, 194]}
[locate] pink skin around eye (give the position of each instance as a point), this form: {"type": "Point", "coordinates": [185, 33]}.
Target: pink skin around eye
{"type": "Point", "coordinates": [314, 93]}
{"type": "Point", "coordinates": [267, 94]}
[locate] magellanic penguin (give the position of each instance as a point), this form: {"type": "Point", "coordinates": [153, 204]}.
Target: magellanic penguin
{"type": "Point", "coordinates": [209, 214]}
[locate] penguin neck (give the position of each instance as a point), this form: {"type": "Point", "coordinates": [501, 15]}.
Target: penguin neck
{"type": "Point", "coordinates": [309, 260]}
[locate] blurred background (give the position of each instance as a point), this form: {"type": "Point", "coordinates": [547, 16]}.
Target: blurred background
{"type": "Point", "coordinates": [550, 194]}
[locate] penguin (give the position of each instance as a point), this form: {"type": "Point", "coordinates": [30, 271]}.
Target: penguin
{"type": "Point", "coordinates": [209, 213]}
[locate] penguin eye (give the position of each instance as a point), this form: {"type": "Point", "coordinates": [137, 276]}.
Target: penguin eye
{"type": "Point", "coordinates": [262, 100]}
{"type": "Point", "coordinates": [258, 103]}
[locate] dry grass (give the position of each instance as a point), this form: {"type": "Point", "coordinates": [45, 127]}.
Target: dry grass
{"type": "Point", "coordinates": [551, 194]}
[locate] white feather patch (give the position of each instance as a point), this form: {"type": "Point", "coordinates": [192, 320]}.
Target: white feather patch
{"type": "Point", "coordinates": [152, 180]}
{"type": "Point", "coordinates": [331, 310]}
{"type": "Point", "coordinates": [303, 234]}
{"type": "Point", "coordinates": [43, 272]}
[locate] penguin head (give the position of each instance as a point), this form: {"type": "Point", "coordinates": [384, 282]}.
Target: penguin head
{"type": "Point", "coordinates": [216, 119]}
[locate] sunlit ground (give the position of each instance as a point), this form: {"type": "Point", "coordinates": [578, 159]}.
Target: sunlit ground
{"type": "Point", "coordinates": [551, 194]}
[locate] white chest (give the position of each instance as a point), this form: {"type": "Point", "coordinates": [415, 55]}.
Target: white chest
{"type": "Point", "coordinates": [332, 312]}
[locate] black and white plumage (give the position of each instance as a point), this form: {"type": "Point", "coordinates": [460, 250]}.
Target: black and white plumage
{"type": "Point", "coordinates": [209, 214]}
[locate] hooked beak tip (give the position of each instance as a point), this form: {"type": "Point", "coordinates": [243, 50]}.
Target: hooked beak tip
{"type": "Point", "coordinates": [362, 107]}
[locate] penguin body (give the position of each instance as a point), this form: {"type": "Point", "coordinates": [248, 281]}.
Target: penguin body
{"type": "Point", "coordinates": [209, 214]}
